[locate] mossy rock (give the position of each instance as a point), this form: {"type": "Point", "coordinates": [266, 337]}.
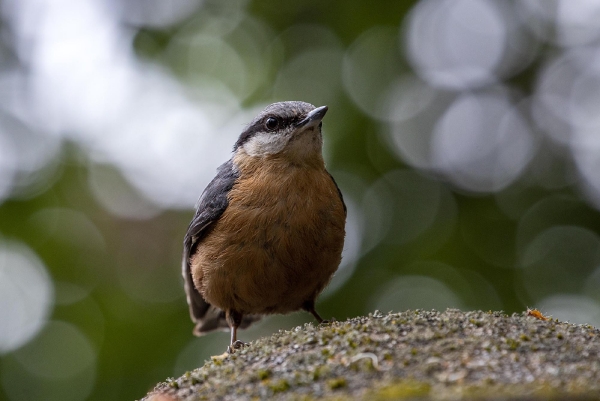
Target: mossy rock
{"type": "Point", "coordinates": [408, 355]}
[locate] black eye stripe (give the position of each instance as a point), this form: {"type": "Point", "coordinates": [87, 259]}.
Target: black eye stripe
{"type": "Point", "coordinates": [281, 122]}
{"type": "Point", "coordinates": [260, 126]}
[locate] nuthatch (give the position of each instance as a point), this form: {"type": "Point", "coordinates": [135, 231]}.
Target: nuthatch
{"type": "Point", "coordinates": [268, 231]}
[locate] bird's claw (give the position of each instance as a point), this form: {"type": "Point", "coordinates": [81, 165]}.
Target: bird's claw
{"type": "Point", "coordinates": [236, 345]}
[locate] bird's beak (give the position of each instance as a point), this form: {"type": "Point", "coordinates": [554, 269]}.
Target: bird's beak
{"type": "Point", "coordinates": [313, 118]}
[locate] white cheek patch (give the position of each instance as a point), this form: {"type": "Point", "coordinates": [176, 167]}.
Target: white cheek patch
{"type": "Point", "coordinates": [265, 144]}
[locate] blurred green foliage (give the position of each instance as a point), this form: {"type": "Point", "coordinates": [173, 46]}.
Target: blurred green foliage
{"type": "Point", "coordinates": [425, 241]}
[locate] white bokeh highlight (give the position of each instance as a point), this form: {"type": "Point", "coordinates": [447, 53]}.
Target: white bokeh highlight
{"type": "Point", "coordinates": [26, 295]}
{"type": "Point", "coordinates": [482, 143]}
{"type": "Point", "coordinates": [456, 44]}
{"type": "Point", "coordinates": [123, 111]}
{"type": "Point", "coordinates": [565, 23]}
{"type": "Point", "coordinates": [567, 108]}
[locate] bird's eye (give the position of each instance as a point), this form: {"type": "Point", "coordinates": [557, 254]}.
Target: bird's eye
{"type": "Point", "coordinates": [272, 123]}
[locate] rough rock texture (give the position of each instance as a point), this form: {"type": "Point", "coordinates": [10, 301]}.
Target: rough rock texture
{"type": "Point", "coordinates": [414, 354]}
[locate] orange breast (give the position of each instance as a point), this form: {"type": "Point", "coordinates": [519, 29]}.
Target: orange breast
{"type": "Point", "coordinates": [278, 242]}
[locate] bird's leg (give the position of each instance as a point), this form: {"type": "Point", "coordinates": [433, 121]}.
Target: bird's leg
{"type": "Point", "coordinates": [309, 306]}
{"type": "Point", "coordinates": [234, 319]}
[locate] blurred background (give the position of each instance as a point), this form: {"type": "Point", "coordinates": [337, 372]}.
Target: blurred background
{"type": "Point", "coordinates": [464, 134]}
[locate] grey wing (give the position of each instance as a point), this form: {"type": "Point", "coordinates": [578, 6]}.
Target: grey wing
{"type": "Point", "coordinates": [211, 206]}
{"type": "Point", "coordinates": [339, 193]}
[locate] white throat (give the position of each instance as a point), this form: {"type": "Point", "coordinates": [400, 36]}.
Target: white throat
{"type": "Point", "coordinates": [264, 143]}
{"type": "Point", "coordinates": [299, 144]}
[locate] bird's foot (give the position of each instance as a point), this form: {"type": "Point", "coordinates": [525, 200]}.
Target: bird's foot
{"type": "Point", "coordinates": [236, 345]}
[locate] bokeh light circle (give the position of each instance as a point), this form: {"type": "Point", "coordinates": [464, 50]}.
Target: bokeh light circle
{"type": "Point", "coordinates": [456, 44]}
{"type": "Point", "coordinates": [415, 292]}
{"type": "Point", "coordinates": [558, 260]}
{"type": "Point", "coordinates": [8, 167]}
{"type": "Point", "coordinates": [60, 352]}
{"type": "Point", "coordinates": [370, 66]}
{"type": "Point", "coordinates": [564, 22]}
{"type": "Point", "coordinates": [59, 365]}
{"type": "Point", "coordinates": [572, 308]}
{"type": "Point", "coordinates": [26, 295]}
{"type": "Point", "coordinates": [482, 143]}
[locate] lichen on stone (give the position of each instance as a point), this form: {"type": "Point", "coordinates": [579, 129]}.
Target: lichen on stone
{"type": "Point", "coordinates": [437, 355]}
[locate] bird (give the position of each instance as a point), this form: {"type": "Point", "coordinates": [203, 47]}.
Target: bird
{"type": "Point", "coordinates": [268, 231]}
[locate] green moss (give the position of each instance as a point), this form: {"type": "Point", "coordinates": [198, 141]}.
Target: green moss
{"type": "Point", "coordinates": [279, 386]}
{"type": "Point", "coordinates": [512, 344]}
{"type": "Point", "coordinates": [263, 374]}
{"type": "Point", "coordinates": [408, 389]}
{"type": "Point", "coordinates": [320, 372]}
{"type": "Point", "coordinates": [217, 360]}
{"type": "Point", "coordinates": [364, 364]}
{"type": "Point", "coordinates": [430, 354]}
{"type": "Point", "coordinates": [336, 383]}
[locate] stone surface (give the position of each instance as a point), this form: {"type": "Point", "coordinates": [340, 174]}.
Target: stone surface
{"type": "Point", "coordinates": [413, 354]}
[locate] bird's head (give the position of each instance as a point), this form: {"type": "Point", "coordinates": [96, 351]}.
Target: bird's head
{"type": "Point", "coordinates": [287, 129]}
